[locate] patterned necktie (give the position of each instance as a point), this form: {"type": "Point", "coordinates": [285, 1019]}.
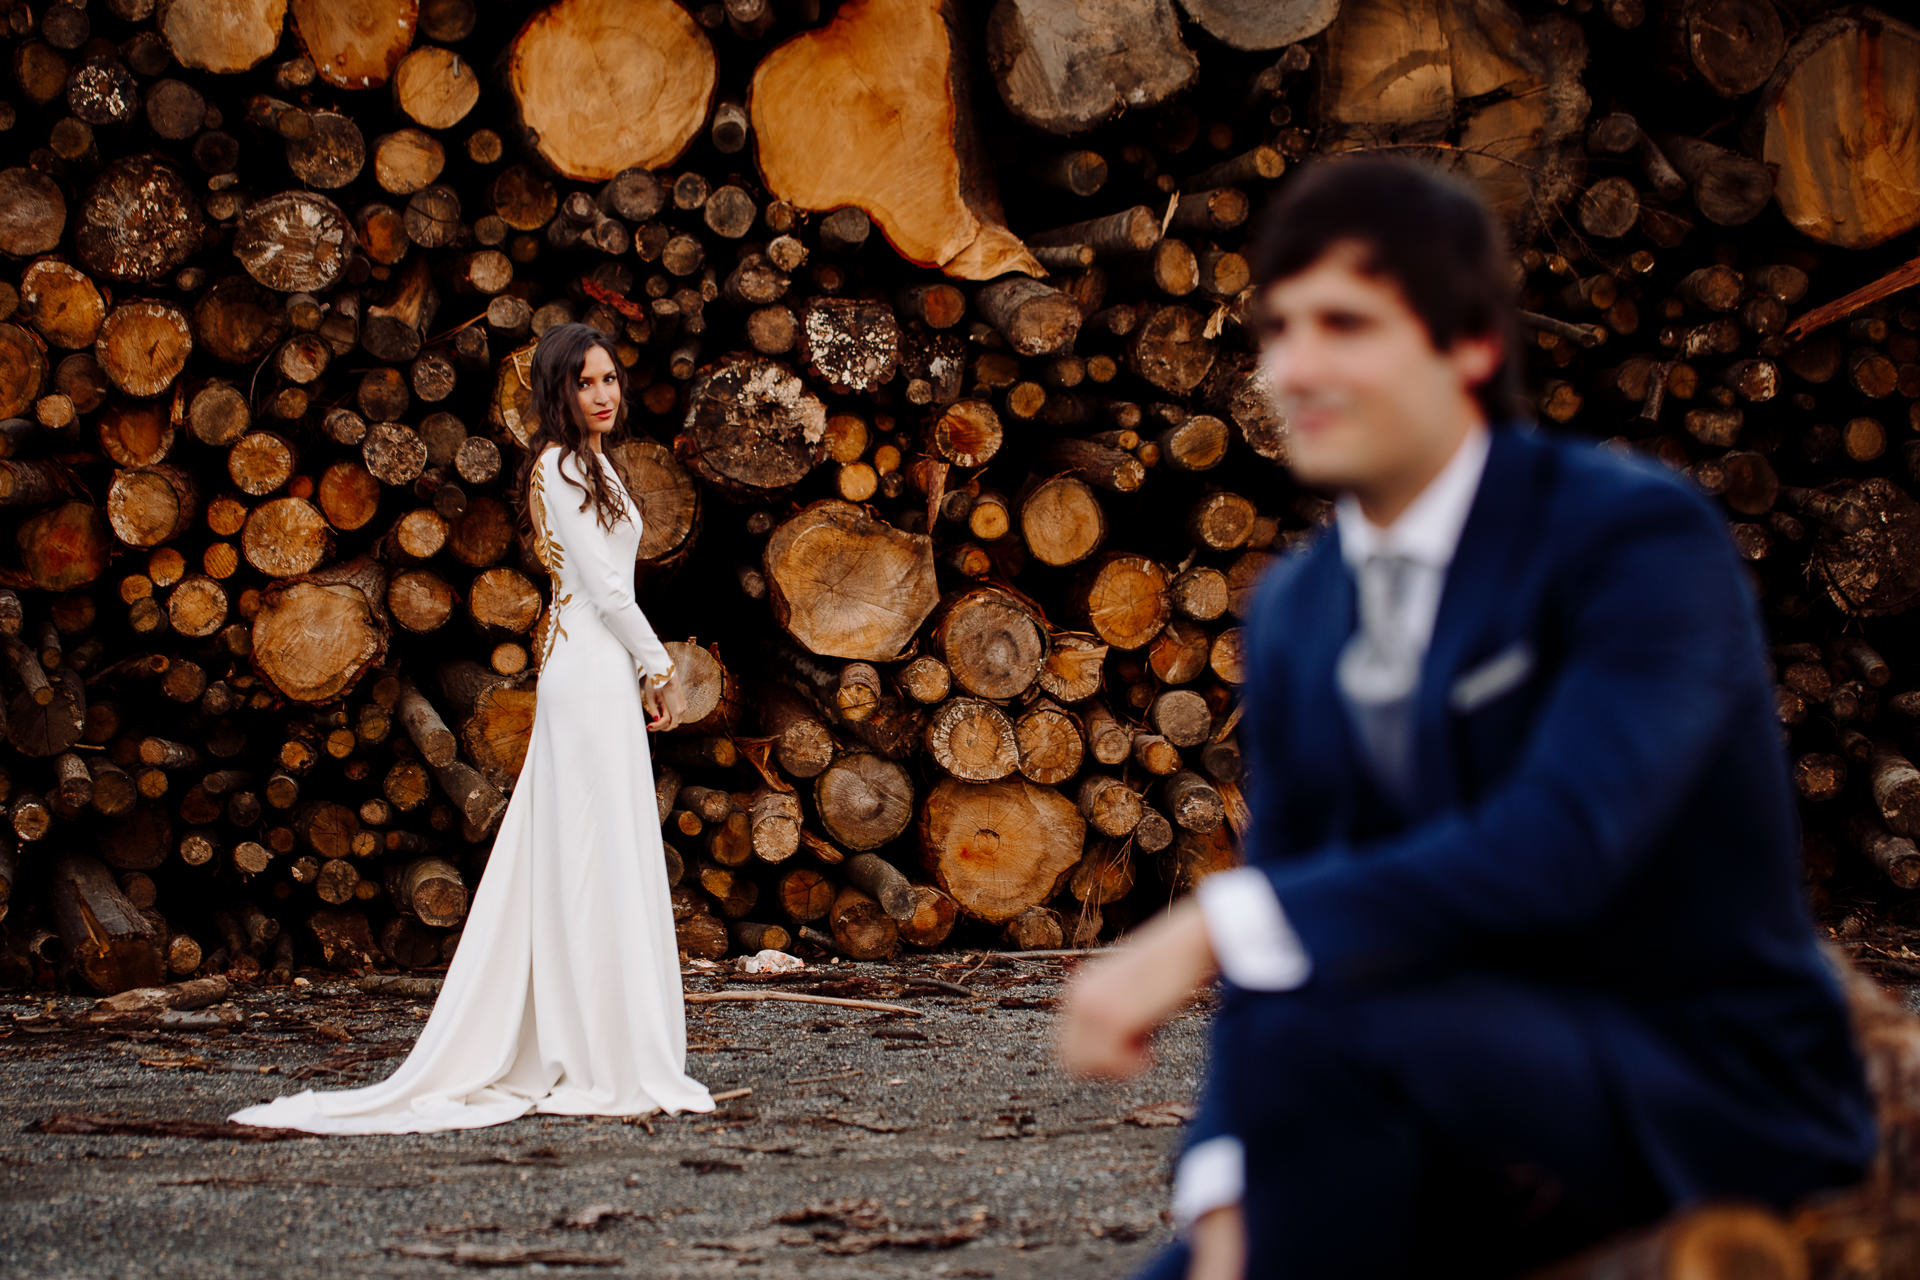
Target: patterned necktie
{"type": "Point", "coordinates": [1379, 670]}
{"type": "Point", "coordinates": [1382, 662]}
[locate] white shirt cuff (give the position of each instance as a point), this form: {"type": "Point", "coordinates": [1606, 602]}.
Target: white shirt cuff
{"type": "Point", "coordinates": [1212, 1175]}
{"type": "Point", "coordinates": [1252, 941]}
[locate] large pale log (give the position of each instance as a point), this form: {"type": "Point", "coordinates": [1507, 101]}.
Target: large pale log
{"type": "Point", "coordinates": [872, 111]}
{"type": "Point", "coordinates": [990, 642]}
{"type": "Point", "coordinates": [999, 847]}
{"type": "Point", "coordinates": [847, 585]}
{"type": "Point", "coordinates": [314, 639]}
{"type": "Point", "coordinates": [864, 800]}
{"type": "Point", "coordinates": [110, 945]}
{"type": "Point", "coordinates": [606, 85]}
{"type": "Point", "coordinates": [1843, 129]}
{"type": "Point", "coordinates": [1500, 97]}
{"type": "Point", "coordinates": [1066, 68]}
{"type": "Point", "coordinates": [140, 221]}
{"type": "Point", "coordinates": [752, 428]}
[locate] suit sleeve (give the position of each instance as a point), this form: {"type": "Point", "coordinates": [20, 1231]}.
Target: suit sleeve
{"type": "Point", "coordinates": [608, 585]}
{"type": "Point", "coordinates": [1662, 640]}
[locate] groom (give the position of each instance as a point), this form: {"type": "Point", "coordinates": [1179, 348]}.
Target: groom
{"type": "Point", "coordinates": [1518, 957]}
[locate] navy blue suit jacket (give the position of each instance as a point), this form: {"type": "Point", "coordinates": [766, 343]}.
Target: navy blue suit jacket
{"type": "Point", "coordinates": [1603, 806]}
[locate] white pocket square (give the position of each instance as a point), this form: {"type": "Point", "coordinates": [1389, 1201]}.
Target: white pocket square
{"type": "Point", "coordinates": [1497, 675]}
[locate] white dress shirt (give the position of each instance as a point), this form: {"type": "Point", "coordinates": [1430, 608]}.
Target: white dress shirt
{"type": "Point", "coordinates": [1255, 946]}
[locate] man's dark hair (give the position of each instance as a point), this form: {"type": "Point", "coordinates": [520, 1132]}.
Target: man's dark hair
{"type": "Point", "coordinates": [1428, 233]}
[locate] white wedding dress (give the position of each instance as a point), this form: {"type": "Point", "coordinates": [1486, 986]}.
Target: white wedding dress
{"type": "Point", "coordinates": [564, 996]}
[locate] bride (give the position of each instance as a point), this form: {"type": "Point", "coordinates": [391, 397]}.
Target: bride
{"type": "Point", "coordinates": [564, 996]}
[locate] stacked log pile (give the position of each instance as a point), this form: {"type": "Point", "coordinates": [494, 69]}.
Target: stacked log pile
{"type": "Point", "coordinates": [951, 454]}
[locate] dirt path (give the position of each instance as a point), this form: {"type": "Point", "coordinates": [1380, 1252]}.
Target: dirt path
{"type": "Point", "coordinates": [872, 1145]}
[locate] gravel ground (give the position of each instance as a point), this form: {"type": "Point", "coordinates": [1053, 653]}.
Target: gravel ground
{"type": "Point", "coordinates": [872, 1145]}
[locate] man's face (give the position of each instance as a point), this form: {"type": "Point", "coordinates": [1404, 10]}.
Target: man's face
{"type": "Point", "coordinates": [1371, 406]}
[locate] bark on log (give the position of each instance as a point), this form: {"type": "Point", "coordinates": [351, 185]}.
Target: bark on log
{"type": "Point", "coordinates": [139, 221]}
{"type": "Point", "coordinates": [752, 428]}
{"type": "Point", "coordinates": [110, 945]}
{"type": "Point", "coordinates": [1068, 69]}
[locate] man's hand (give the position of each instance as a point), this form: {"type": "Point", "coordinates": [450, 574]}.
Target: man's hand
{"type": "Point", "coordinates": [665, 706]}
{"type": "Point", "coordinates": [1114, 1003]}
{"type": "Point", "coordinates": [1219, 1245]}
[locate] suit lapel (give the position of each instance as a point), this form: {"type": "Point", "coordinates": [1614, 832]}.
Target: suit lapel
{"type": "Point", "coordinates": [1478, 580]}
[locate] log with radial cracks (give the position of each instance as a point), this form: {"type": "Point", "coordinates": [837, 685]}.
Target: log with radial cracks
{"type": "Point", "coordinates": [848, 585]}
{"type": "Point", "coordinates": [872, 111]}
{"type": "Point", "coordinates": [313, 639]}
{"type": "Point", "coordinates": [607, 85]}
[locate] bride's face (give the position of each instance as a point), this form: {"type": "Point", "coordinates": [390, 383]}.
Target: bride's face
{"type": "Point", "coordinates": [596, 393]}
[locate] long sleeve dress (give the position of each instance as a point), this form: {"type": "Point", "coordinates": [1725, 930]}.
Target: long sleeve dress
{"type": "Point", "coordinates": [564, 996]}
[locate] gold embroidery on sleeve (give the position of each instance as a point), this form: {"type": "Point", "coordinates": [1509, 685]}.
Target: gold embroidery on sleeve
{"type": "Point", "coordinates": [658, 678]}
{"type": "Point", "coordinates": [552, 556]}
{"type": "Point", "coordinates": [546, 547]}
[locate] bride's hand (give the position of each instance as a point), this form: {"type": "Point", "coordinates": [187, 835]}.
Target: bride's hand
{"type": "Point", "coordinates": [665, 706]}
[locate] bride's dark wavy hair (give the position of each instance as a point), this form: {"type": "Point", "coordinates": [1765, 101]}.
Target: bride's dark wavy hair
{"type": "Point", "coordinates": [557, 361]}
